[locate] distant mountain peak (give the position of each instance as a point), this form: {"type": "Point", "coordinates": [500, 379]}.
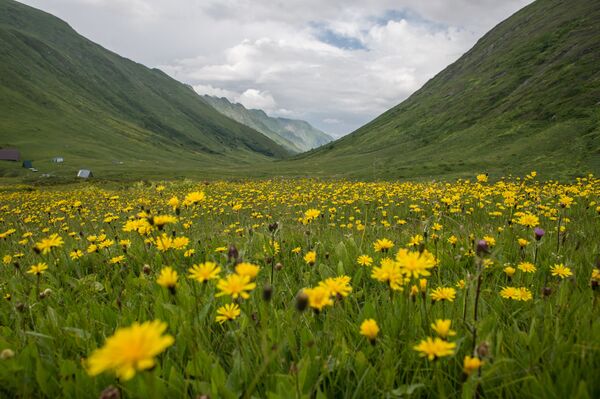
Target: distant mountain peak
{"type": "Point", "coordinates": [294, 135]}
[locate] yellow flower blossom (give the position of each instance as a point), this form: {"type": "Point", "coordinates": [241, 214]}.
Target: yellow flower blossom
{"type": "Point", "coordinates": [337, 285]}
{"type": "Point", "coordinates": [247, 269]}
{"type": "Point", "coordinates": [204, 272]}
{"type": "Point", "coordinates": [318, 297]}
{"type": "Point", "coordinates": [471, 364]}
{"type": "Point", "coordinates": [364, 260]}
{"type": "Point", "coordinates": [235, 286]}
{"type": "Point", "coordinates": [167, 278]}
{"type": "Point", "coordinates": [442, 328]}
{"type": "Point", "coordinates": [369, 329]}
{"type": "Point", "coordinates": [38, 269]}
{"type": "Point", "coordinates": [443, 294]}
{"type": "Point", "coordinates": [130, 349]}
{"type": "Point", "coordinates": [383, 245]}
{"type": "Point", "coordinates": [228, 312]}
{"type": "Point", "coordinates": [561, 271]}
{"type": "Point", "coordinates": [310, 257]}
{"type": "Point", "coordinates": [434, 348]}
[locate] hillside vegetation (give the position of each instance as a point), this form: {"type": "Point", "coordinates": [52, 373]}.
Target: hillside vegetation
{"type": "Point", "coordinates": [63, 95]}
{"type": "Point", "coordinates": [525, 97]}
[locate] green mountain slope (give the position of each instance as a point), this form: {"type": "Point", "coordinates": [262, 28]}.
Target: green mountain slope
{"type": "Point", "coordinates": [295, 135]}
{"type": "Point", "coordinates": [525, 97]}
{"type": "Point", "coordinates": [61, 94]}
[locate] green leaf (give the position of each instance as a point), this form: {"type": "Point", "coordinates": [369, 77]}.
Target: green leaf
{"type": "Point", "coordinates": [406, 390]}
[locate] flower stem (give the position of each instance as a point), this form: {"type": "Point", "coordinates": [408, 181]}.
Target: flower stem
{"type": "Point", "coordinates": [476, 305]}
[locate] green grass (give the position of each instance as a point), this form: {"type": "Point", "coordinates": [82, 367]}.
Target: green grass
{"type": "Point", "coordinates": [546, 347]}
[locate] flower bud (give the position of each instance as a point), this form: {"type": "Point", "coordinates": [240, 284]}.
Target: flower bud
{"type": "Point", "coordinates": [110, 392]}
{"type": "Point", "coordinates": [147, 269]}
{"type": "Point", "coordinates": [414, 290]}
{"type": "Point", "coordinates": [267, 293]}
{"type": "Point", "coordinates": [278, 266]}
{"type": "Point", "coordinates": [301, 301]}
{"type": "Point", "coordinates": [539, 233]}
{"type": "Point", "coordinates": [546, 292]}
{"type": "Point", "coordinates": [483, 350]}
{"type": "Point", "coordinates": [7, 354]}
{"type": "Point", "coordinates": [482, 247]}
{"type": "Point", "coordinates": [233, 253]}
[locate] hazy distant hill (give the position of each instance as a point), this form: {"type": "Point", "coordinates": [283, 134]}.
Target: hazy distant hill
{"type": "Point", "coordinates": [294, 135]}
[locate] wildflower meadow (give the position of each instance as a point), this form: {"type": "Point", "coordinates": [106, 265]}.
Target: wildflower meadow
{"type": "Point", "coordinates": [301, 289]}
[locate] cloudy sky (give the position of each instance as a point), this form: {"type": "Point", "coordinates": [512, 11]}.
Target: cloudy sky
{"type": "Point", "coordinates": [335, 63]}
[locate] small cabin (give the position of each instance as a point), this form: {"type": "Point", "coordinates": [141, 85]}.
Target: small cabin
{"type": "Point", "coordinates": [58, 160]}
{"type": "Point", "coordinates": [85, 173]}
{"type": "Point", "coordinates": [9, 154]}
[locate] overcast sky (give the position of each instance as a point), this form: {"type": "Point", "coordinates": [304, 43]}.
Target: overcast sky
{"type": "Point", "coordinates": [335, 63]}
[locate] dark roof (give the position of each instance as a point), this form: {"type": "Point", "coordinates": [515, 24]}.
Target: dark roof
{"type": "Point", "coordinates": [9, 154]}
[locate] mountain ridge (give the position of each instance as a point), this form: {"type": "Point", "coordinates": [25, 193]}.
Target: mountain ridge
{"type": "Point", "coordinates": [293, 134]}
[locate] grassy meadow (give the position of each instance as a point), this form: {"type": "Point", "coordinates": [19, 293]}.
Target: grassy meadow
{"type": "Point", "coordinates": [301, 288]}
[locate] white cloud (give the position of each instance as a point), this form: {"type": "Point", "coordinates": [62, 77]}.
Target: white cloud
{"type": "Point", "coordinates": [339, 60]}
{"type": "Point", "coordinates": [322, 81]}
{"type": "Point", "coordinates": [214, 91]}
{"type": "Point", "coordinates": [137, 9]}
{"type": "Point", "coordinates": [256, 99]}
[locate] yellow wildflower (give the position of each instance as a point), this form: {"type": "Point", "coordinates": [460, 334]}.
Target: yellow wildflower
{"type": "Point", "coordinates": [130, 349]}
